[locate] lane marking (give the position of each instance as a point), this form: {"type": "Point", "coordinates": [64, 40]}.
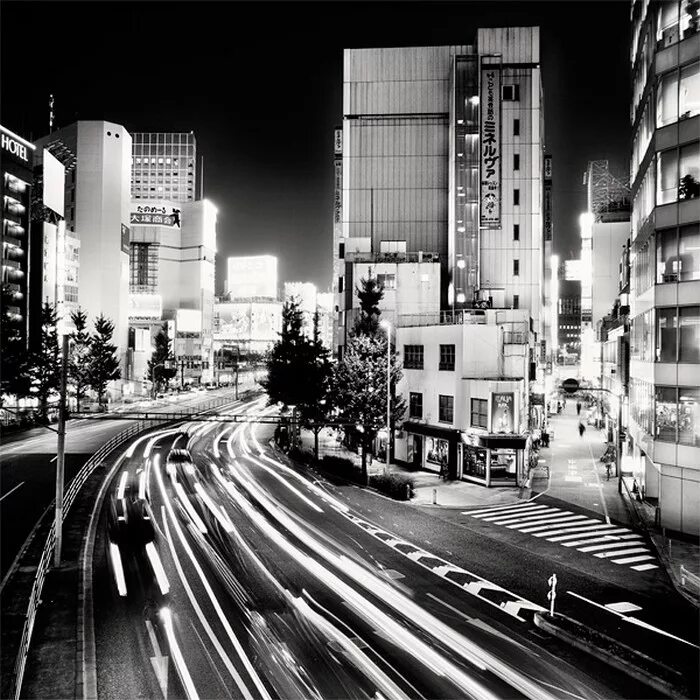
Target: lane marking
{"type": "Point", "coordinates": [623, 607]}
{"type": "Point", "coordinates": [600, 485]}
{"type": "Point", "coordinates": [12, 490]}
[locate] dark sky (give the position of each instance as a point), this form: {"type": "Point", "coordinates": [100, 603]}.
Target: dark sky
{"type": "Point", "coordinates": [260, 84]}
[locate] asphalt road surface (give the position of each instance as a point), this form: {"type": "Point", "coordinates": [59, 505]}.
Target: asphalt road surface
{"type": "Point", "coordinates": [223, 572]}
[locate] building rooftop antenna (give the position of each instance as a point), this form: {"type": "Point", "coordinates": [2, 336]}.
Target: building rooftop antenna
{"type": "Point", "coordinates": [51, 114]}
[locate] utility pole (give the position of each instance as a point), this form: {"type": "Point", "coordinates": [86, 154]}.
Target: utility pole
{"type": "Point", "coordinates": [61, 452]}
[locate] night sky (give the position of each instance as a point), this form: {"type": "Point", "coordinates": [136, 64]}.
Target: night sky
{"type": "Point", "coordinates": [260, 84]}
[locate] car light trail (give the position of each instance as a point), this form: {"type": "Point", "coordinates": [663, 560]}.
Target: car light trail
{"type": "Point", "coordinates": [215, 511]}
{"type": "Point", "coordinates": [142, 486]}
{"type": "Point", "coordinates": [157, 567]}
{"type": "Point", "coordinates": [118, 568]}
{"type": "Point", "coordinates": [121, 488]}
{"type": "Point", "coordinates": [217, 440]}
{"type": "Point", "coordinates": [176, 654]}
{"type": "Point", "coordinates": [196, 520]}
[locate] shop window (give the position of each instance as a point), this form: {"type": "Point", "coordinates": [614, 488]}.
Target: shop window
{"type": "Point", "coordinates": [666, 413]}
{"type": "Point", "coordinates": [436, 451]}
{"type": "Point", "coordinates": [479, 413]}
{"type": "Point", "coordinates": [689, 252]}
{"type": "Point", "coordinates": [413, 357]}
{"type": "Point", "coordinates": [474, 463]}
{"type": "Point", "coordinates": [666, 335]}
{"type": "Point", "coordinates": [447, 358]}
{"type": "Point", "coordinates": [689, 334]}
{"type": "Point", "coordinates": [415, 404]}
{"type": "Point", "coordinates": [446, 408]}
{"type": "Point", "coordinates": [689, 415]}
{"type": "Point", "coordinates": [503, 464]}
{"type": "Point", "coordinates": [689, 91]}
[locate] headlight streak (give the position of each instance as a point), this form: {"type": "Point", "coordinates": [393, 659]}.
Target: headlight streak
{"type": "Point", "coordinates": [191, 512]}
{"type": "Point", "coordinates": [157, 566]}
{"type": "Point", "coordinates": [119, 579]}
{"type": "Point", "coordinates": [121, 488]}
{"type": "Point", "coordinates": [142, 486]}
{"type": "Point", "coordinates": [217, 440]}
{"type": "Point", "coordinates": [215, 511]}
{"type": "Point", "coordinates": [176, 654]}
{"type": "Point", "coordinates": [217, 607]}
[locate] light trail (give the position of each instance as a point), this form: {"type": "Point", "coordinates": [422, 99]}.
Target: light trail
{"type": "Point", "coordinates": [121, 488]}
{"type": "Point", "coordinates": [118, 569]}
{"type": "Point", "coordinates": [157, 567]}
{"type": "Point", "coordinates": [194, 517]}
{"type": "Point", "coordinates": [176, 654]}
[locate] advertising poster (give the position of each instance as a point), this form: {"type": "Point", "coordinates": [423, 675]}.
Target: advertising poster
{"type": "Point", "coordinates": [490, 147]}
{"type": "Point", "coordinates": [502, 412]}
{"type": "Point", "coordinates": [155, 216]}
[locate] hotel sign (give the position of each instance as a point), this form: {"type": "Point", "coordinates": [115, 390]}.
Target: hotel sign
{"type": "Point", "coordinates": [490, 102]}
{"type": "Point", "coordinates": [502, 412]}
{"type": "Point", "coordinates": [155, 216]}
{"type": "Point", "coordinates": [14, 147]}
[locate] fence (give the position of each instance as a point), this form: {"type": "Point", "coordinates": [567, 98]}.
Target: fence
{"type": "Point", "coordinates": [69, 497]}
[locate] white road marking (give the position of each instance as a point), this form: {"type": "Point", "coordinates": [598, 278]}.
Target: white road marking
{"type": "Point", "coordinates": [604, 538]}
{"type": "Point", "coordinates": [633, 560]}
{"type": "Point", "coordinates": [592, 529]}
{"type": "Point", "coordinates": [564, 530]}
{"type": "Point", "coordinates": [521, 511]}
{"type": "Point", "coordinates": [603, 547]}
{"type": "Point", "coordinates": [623, 553]}
{"type": "Point", "coordinates": [559, 522]}
{"type": "Point", "coordinates": [623, 607]}
{"type": "Point", "coordinates": [644, 567]}
{"type": "Point", "coordinates": [12, 490]}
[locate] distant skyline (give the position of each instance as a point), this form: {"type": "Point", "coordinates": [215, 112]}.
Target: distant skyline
{"type": "Point", "coordinates": [260, 84]}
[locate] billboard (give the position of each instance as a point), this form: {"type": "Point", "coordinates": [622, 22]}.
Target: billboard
{"type": "Point", "coordinates": [147, 215]}
{"type": "Point", "coordinates": [502, 412]}
{"type": "Point", "coordinates": [145, 306]}
{"type": "Point", "coordinates": [490, 197]}
{"type": "Point", "coordinates": [188, 321]}
{"type": "Point", "coordinates": [54, 176]}
{"type": "Point", "coordinates": [252, 276]}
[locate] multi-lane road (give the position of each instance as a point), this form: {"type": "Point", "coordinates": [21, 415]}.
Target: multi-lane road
{"type": "Point", "coordinates": [221, 571]}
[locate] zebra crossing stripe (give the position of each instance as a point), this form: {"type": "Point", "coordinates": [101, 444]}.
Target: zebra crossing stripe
{"type": "Point", "coordinates": [633, 560]}
{"type": "Point", "coordinates": [487, 511]}
{"type": "Point", "coordinates": [531, 517]}
{"type": "Point", "coordinates": [613, 545]}
{"type": "Point", "coordinates": [521, 512]}
{"type": "Point", "coordinates": [622, 553]}
{"type": "Point", "coordinates": [564, 530]}
{"type": "Point", "coordinates": [643, 567]}
{"type": "Point", "coordinates": [559, 522]}
{"type": "Point", "coordinates": [537, 519]}
{"type": "Point", "coordinates": [587, 531]}
{"type": "Point", "coordinates": [604, 538]}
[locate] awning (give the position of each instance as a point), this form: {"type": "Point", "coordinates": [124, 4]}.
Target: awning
{"type": "Point", "coordinates": [433, 431]}
{"type": "Point", "coordinates": [513, 442]}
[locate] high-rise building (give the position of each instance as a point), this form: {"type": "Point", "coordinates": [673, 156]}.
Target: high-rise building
{"type": "Point", "coordinates": [164, 166]}
{"type": "Point", "coordinates": [443, 160]}
{"type": "Point", "coordinates": [97, 201]}
{"type": "Point", "coordinates": [16, 164]}
{"type": "Point", "coordinates": [664, 385]}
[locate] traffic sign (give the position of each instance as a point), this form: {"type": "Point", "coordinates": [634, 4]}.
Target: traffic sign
{"type": "Point", "coordinates": [570, 385]}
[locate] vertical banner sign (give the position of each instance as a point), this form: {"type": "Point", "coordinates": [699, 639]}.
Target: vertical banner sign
{"type": "Point", "coordinates": [338, 197]}
{"type": "Point", "coordinates": [490, 147]}
{"type": "Point", "coordinates": [125, 238]}
{"type": "Point", "coordinates": [548, 198]}
{"type": "Point", "coordinates": [338, 141]}
{"type": "Point", "coordinates": [502, 412]}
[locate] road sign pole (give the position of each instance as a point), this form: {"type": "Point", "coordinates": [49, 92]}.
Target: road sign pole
{"type": "Point", "coordinates": [61, 452]}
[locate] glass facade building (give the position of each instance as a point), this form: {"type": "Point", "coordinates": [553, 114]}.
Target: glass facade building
{"type": "Point", "coordinates": [664, 425]}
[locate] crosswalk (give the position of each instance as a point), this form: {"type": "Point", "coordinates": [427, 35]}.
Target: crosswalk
{"type": "Point", "coordinates": [597, 538]}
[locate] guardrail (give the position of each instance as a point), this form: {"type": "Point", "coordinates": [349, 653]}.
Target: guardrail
{"type": "Point", "coordinates": [688, 577]}
{"type": "Point", "coordinates": [69, 498]}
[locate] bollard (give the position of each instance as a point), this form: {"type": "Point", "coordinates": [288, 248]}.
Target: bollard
{"type": "Point", "coordinates": [434, 497]}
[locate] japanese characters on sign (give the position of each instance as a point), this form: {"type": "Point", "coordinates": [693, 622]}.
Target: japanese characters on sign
{"type": "Point", "coordinates": [548, 198]}
{"type": "Point", "coordinates": [338, 141]}
{"type": "Point", "coordinates": [338, 194]}
{"type": "Point", "coordinates": [490, 147]}
{"type": "Point", "coordinates": [156, 216]}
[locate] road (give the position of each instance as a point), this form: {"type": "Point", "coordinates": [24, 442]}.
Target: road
{"type": "Point", "coordinates": [28, 466]}
{"type": "Point", "coordinates": [234, 575]}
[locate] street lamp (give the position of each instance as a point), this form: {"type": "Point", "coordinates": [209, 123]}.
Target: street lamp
{"type": "Point", "coordinates": [387, 327]}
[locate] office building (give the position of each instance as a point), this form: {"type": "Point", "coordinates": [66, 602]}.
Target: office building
{"type": "Point", "coordinates": [569, 322]}
{"type": "Point", "coordinates": [97, 200]}
{"type": "Point", "coordinates": [171, 281]}
{"type": "Point", "coordinates": [664, 383]}
{"type": "Point", "coordinates": [252, 277]}
{"type": "Point", "coordinates": [443, 156]}
{"type": "Point", "coordinates": [164, 166]}
{"type": "Point", "coordinates": [16, 165]}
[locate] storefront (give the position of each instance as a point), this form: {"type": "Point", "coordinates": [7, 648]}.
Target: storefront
{"type": "Point", "coordinates": [494, 460]}
{"type": "Point", "coordinates": [433, 448]}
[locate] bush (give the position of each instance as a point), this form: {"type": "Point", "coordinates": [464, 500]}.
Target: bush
{"type": "Point", "coordinates": [397, 486]}
{"type": "Point", "coordinates": [342, 467]}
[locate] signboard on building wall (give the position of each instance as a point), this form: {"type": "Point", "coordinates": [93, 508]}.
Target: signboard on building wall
{"type": "Point", "coordinates": [54, 175]}
{"type": "Point", "coordinates": [125, 239]}
{"type": "Point", "coordinates": [145, 306]}
{"type": "Point", "coordinates": [548, 228]}
{"type": "Point", "coordinates": [490, 141]}
{"type": "Point", "coordinates": [338, 195]}
{"type": "Point", "coordinates": [338, 141]}
{"type": "Point", "coordinates": [20, 149]}
{"type": "Point", "coordinates": [146, 215]}
{"type": "Point", "coordinates": [502, 412]}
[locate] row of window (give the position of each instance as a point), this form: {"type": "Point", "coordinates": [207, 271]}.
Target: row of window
{"type": "Point", "coordinates": [446, 407]}
{"type": "Point", "coordinates": [413, 357]}
{"type": "Point", "coordinates": [167, 161]}
{"type": "Point", "coordinates": [673, 336]}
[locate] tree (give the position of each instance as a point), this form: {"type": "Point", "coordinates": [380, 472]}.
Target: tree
{"type": "Point", "coordinates": [13, 351]}
{"type": "Point", "coordinates": [103, 366]}
{"type": "Point", "coordinates": [44, 366]}
{"type": "Point", "coordinates": [79, 358]}
{"type": "Point", "coordinates": [360, 388]}
{"type": "Point", "coordinates": [161, 367]}
{"type": "Point", "coordinates": [688, 188]}
{"type": "Point", "coordinates": [370, 293]}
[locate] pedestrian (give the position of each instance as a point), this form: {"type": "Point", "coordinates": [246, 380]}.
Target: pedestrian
{"type": "Point", "coordinates": [578, 408]}
{"type": "Point", "coordinates": [581, 429]}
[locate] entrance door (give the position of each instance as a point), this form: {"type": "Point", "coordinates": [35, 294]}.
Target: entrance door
{"type": "Point", "coordinates": [417, 456]}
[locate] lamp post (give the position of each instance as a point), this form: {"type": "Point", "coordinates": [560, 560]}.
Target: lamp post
{"type": "Point", "coordinates": [387, 327]}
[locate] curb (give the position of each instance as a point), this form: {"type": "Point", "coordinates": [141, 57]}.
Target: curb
{"type": "Point", "coordinates": [546, 624]}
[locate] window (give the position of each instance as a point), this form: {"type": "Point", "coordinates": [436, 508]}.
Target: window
{"type": "Point", "coordinates": [447, 358]}
{"type": "Point", "coordinates": [689, 91]}
{"type": "Point", "coordinates": [387, 281]}
{"type": "Point", "coordinates": [689, 415]}
{"type": "Point", "coordinates": [340, 285]}
{"type": "Point", "coordinates": [689, 334]}
{"type": "Point", "coordinates": [516, 197]}
{"type": "Point", "coordinates": [510, 93]}
{"type": "Point", "coordinates": [516, 161]}
{"type": "Point", "coordinates": [666, 413]}
{"type": "Point", "coordinates": [516, 268]}
{"type": "Point", "coordinates": [516, 127]}
{"type": "Point", "coordinates": [689, 172]}
{"type": "Point", "coordinates": [667, 177]}
{"type": "Point", "coordinates": [689, 252]}
{"type": "Point", "coordinates": [516, 301]}
{"type": "Point", "coordinates": [446, 408]}
{"type": "Point", "coordinates": [666, 332]}
{"type": "Point", "coordinates": [413, 357]}
{"type": "Point", "coordinates": [516, 232]}
{"type": "Point", "coordinates": [480, 413]}
{"type": "Point", "coordinates": [341, 250]}
{"type": "Point", "coordinates": [667, 100]}
{"type": "Point", "coordinates": [415, 404]}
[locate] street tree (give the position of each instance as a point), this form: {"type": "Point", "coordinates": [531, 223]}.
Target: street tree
{"type": "Point", "coordinates": [44, 364]}
{"type": "Point", "coordinates": [370, 292]}
{"type": "Point", "coordinates": [79, 357]}
{"type": "Point", "coordinates": [360, 388]}
{"type": "Point", "coordinates": [161, 367]}
{"type": "Point", "coordinates": [103, 366]}
{"type": "Point", "coordinates": [13, 354]}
